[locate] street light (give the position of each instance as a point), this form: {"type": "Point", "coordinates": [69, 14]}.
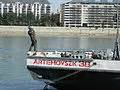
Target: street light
{"type": "Point", "coordinates": [116, 47]}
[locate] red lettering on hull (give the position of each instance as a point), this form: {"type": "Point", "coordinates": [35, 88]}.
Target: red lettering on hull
{"type": "Point", "coordinates": [61, 63]}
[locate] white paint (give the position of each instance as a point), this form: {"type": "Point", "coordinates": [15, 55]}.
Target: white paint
{"type": "Point", "coordinates": [101, 65]}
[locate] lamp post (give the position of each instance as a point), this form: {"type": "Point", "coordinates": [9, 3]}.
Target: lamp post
{"type": "Point", "coordinates": [116, 47]}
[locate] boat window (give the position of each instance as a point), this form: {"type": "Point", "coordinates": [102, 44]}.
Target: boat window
{"type": "Point", "coordinates": [76, 56]}
{"type": "Point", "coordinates": [80, 57]}
{"type": "Point", "coordinates": [72, 56]}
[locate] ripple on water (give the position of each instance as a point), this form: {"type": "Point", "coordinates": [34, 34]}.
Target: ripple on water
{"type": "Point", "coordinates": [23, 85]}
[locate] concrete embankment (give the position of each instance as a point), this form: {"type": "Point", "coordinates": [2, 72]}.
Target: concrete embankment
{"type": "Point", "coordinates": [57, 31]}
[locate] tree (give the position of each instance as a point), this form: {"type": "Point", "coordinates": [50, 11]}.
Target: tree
{"type": "Point", "coordinates": [24, 19]}
{"type": "Point", "coordinates": [30, 17]}
{"type": "Point", "coordinates": [52, 20]}
{"type": "Point", "coordinates": [8, 18]}
{"type": "Point", "coordinates": [45, 20]}
{"type": "Point", "coordinates": [55, 19]}
{"type": "Point", "coordinates": [1, 19]}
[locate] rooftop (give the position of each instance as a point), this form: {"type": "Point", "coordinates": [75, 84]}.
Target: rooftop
{"type": "Point", "coordinates": [26, 1]}
{"type": "Point", "coordinates": [93, 1]}
{"type": "Point", "coordinates": [90, 2]}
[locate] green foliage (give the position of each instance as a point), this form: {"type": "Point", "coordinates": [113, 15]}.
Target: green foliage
{"type": "Point", "coordinates": [8, 19]}
{"type": "Point", "coordinates": [24, 19]}
{"type": "Point", "coordinates": [54, 18]}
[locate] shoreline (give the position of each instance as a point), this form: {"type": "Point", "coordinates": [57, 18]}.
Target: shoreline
{"type": "Point", "coordinates": [7, 31]}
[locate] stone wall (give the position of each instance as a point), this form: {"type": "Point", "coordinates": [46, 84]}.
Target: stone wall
{"type": "Point", "coordinates": [57, 31]}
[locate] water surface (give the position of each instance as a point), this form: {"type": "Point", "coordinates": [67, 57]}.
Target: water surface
{"type": "Point", "coordinates": [13, 71]}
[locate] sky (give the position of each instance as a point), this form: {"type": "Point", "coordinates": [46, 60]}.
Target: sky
{"type": "Point", "coordinates": [55, 4]}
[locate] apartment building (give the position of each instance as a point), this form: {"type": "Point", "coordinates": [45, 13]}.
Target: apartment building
{"type": "Point", "coordinates": [37, 7]}
{"type": "Point", "coordinates": [84, 14]}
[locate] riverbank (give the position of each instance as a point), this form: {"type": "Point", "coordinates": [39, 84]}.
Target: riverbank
{"type": "Point", "coordinates": [58, 31]}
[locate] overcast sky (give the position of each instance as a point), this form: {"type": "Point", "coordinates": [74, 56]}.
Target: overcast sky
{"type": "Point", "coordinates": [55, 4]}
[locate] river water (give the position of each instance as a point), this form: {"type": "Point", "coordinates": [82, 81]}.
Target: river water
{"type": "Point", "coordinates": [13, 72]}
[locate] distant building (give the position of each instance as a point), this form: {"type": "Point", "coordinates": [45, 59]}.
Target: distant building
{"type": "Point", "coordinates": [81, 14]}
{"type": "Point", "coordinates": [116, 1]}
{"type": "Point", "coordinates": [37, 7]}
{"type": "Point", "coordinates": [92, 1]}
{"type": "Point", "coordinates": [104, 1]}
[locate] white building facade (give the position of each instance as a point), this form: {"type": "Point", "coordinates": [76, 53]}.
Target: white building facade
{"type": "Point", "coordinates": [81, 14]}
{"type": "Point", "coordinates": [38, 7]}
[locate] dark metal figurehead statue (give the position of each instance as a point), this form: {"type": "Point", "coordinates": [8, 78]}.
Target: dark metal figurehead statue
{"type": "Point", "coordinates": [29, 27]}
{"type": "Point", "coordinates": [31, 33]}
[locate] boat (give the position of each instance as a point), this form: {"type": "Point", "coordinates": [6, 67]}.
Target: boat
{"type": "Point", "coordinates": [62, 68]}
{"type": "Point", "coordinates": [68, 67]}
